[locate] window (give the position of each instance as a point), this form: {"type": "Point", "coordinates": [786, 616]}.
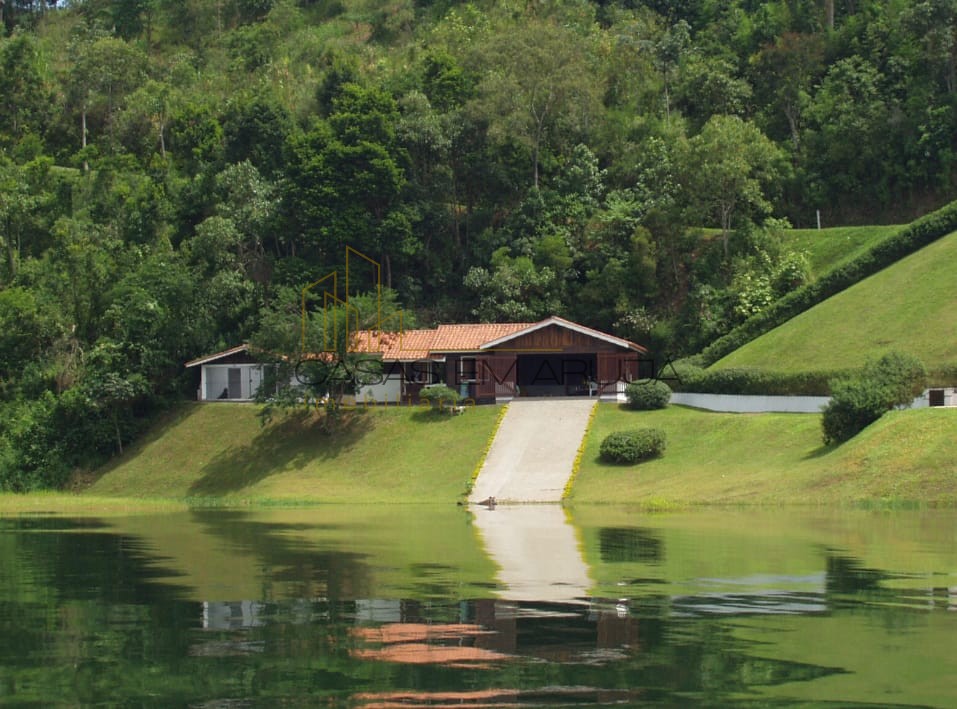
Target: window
{"type": "Point", "coordinates": [468, 370]}
{"type": "Point", "coordinates": [420, 372]}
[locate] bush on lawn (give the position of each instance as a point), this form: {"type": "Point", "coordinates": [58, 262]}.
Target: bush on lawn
{"type": "Point", "coordinates": [439, 396]}
{"type": "Point", "coordinates": [860, 399]}
{"type": "Point", "coordinates": [630, 447]}
{"type": "Point", "coordinates": [648, 394]}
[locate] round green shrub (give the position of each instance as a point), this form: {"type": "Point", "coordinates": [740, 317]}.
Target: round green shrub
{"type": "Point", "coordinates": [859, 400]}
{"type": "Point", "coordinates": [630, 447]}
{"type": "Point", "coordinates": [648, 394]}
{"type": "Point", "coordinates": [439, 395]}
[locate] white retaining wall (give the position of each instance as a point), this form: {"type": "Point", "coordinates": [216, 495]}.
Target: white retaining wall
{"type": "Point", "coordinates": [750, 404]}
{"type": "Point", "coordinates": [742, 404]}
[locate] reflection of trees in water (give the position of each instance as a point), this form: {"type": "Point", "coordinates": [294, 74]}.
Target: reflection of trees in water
{"type": "Point", "coordinates": [307, 571]}
{"type": "Point", "coordinates": [620, 544]}
{"type": "Point", "coordinates": [77, 559]}
{"type": "Point", "coordinates": [846, 575]}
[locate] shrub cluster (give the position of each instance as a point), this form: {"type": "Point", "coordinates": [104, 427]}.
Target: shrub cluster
{"type": "Point", "coordinates": [648, 394]}
{"type": "Point", "coordinates": [630, 447]}
{"type": "Point", "coordinates": [908, 240]}
{"type": "Point", "coordinates": [860, 399]}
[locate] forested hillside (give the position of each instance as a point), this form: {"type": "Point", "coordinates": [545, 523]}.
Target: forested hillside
{"type": "Point", "coordinates": [172, 172]}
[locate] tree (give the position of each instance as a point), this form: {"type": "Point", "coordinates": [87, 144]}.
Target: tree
{"type": "Point", "coordinates": [345, 182]}
{"type": "Point", "coordinates": [710, 87]}
{"type": "Point", "coordinates": [110, 385]}
{"type": "Point", "coordinates": [537, 84]}
{"type": "Point", "coordinates": [250, 203]}
{"type": "Point", "coordinates": [935, 23]}
{"type": "Point", "coordinates": [23, 195]}
{"type": "Point", "coordinates": [151, 104]}
{"type": "Point", "coordinates": [316, 347]}
{"type": "Point", "coordinates": [784, 73]}
{"type": "Point", "coordinates": [514, 290]}
{"type": "Point", "coordinates": [729, 168]}
{"type": "Point", "coordinates": [103, 72]}
{"type": "Point", "coordinates": [27, 331]}
{"type": "Point", "coordinates": [81, 260]}
{"type": "Point", "coordinates": [668, 51]}
{"type": "Point", "coordinates": [849, 124]}
{"type": "Point", "coordinates": [25, 100]}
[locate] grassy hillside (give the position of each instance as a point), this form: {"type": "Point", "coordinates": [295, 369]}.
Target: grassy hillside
{"type": "Point", "coordinates": [398, 454]}
{"type": "Point", "coordinates": [219, 453]}
{"type": "Point", "coordinates": [908, 306]}
{"type": "Point", "coordinates": [828, 248]}
{"type": "Point", "coordinates": [774, 458]}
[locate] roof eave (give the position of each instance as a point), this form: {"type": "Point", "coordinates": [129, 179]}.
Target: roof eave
{"type": "Point", "coordinates": [568, 324]}
{"type": "Point", "coordinates": [218, 355]}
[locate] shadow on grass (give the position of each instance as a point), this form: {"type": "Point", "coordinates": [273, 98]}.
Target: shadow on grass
{"type": "Point", "coordinates": [291, 443]}
{"type": "Point", "coordinates": [424, 415]}
{"type": "Point", "coordinates": [822, 450]}
{"type": "Point", "coordinates": [156, 430]}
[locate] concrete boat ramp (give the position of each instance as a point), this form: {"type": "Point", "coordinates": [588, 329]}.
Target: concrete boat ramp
{"type": "Point", "coordinates": [534, 450]}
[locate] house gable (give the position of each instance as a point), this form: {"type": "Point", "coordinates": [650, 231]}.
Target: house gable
{"type": "Point", "coordinates": [559, 335]}
{"type": "Point", "coordinates": [234, 355]}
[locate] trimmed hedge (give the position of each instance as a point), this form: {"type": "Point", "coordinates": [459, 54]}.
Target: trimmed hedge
{"type": "Point", "coordinates": [630, 447]}
{"type": "Point", "coordinates": [911, 238]}
{"type": "Point", "coordinates": [648, 394]}
{"type": "Point", "coordinates": [751, 380]}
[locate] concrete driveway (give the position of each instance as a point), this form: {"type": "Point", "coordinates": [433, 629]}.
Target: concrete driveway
{"type": "Point", "coordinates": [534, 450]}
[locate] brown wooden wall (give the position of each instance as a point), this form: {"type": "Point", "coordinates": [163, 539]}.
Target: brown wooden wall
{"type": "Point", "coordinates": [557, 339]}
{"type": "Point", "coordinates": [496, 370]}
{"type": "Point", "coordinates": [614, 367]}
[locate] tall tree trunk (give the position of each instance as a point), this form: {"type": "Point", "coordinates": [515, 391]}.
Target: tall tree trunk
{"type": "Point", "coordinates": [116, 427]}
{"type": "Point", "coordinates": [86, 165]}
{"type": "Point", "coordinates": [829, 14]}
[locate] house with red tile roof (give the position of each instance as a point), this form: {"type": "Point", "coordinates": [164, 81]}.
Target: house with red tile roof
{"type": "Point", "coordinates": [485, 362]}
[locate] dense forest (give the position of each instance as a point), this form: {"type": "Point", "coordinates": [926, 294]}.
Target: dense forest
{"type": "Point", "coordinates": [172, 172]}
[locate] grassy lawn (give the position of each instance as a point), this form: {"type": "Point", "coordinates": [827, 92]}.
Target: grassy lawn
{"type": "Point", "coordinates": [908, 306]}
{"type": "Point", "coordinates": [220, 452]}
{"type": "Point", "coordinates": [829, 248]}
{"type": "Point", "coordinates": [773, 459]}
{"type": "Point", "coordinates": [66, 503]}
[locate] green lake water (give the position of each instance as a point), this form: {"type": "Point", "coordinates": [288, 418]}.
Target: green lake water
{"type": "Point", "coordinates": [430, 606]}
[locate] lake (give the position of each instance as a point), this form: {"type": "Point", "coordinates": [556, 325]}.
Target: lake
{"type": "Point", "coordinates": [403, 606]}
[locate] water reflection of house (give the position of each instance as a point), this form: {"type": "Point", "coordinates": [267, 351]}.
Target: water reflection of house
{"type": "Point", "coordinates": [488, 631]}
{"type": "Point", "coordinates": [232, 615]}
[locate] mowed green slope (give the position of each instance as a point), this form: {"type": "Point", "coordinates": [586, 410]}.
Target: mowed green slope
{"type": "Point", "coordinates": [828, 248]}
{"type": "Point", "coordinates": [379, 455]}
{"type": "Point", "coordinates": [909, 306]}
{"type": "Point", "coordinates": [714, 458]}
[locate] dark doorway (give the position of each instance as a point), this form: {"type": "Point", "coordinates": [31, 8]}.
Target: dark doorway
{"type": "Point", "coordinates": [235, 383]}
{"type": "Point", "coordinates": [556, 374]}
